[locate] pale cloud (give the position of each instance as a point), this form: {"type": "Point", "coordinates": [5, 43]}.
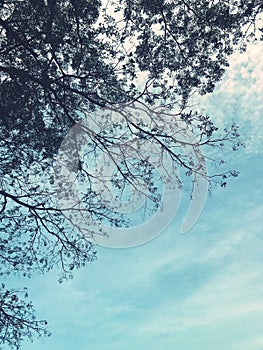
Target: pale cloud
{"type": "Point", "coordinates": [238, 97]}
{"type": "Point", "coordinates": [245, 74]}
{"type": "Point", "coordinates": [254, 342]}
{"type": "Point", "coordinates": [228, 298]}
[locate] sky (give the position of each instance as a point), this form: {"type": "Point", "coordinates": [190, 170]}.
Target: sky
{"type": "Point", "coordinates": [195, 291]}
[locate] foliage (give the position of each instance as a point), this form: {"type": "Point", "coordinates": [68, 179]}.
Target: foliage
{"type": "Point", "coordinates": [61, 60]}
{"type": "Point", "coordinates": [17, 318]}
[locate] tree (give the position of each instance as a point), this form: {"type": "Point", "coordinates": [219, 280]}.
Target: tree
{"type": "Point", "coordinates": [17, 318]}
{"type": "Point", "coordinates": [60, 61]}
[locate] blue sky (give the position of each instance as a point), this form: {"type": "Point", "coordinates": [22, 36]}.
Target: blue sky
{"type": "Point", "coordinates": [195, 291]}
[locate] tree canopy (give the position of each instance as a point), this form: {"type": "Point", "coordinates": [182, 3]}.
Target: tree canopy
{"type": "Point", "coordinates": [61, 61]}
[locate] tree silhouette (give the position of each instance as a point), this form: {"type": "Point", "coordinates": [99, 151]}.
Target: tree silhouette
{"type": "Point", "coordinates": [61, 61]}
{"type": "Point", "coordinates": [17, 318]}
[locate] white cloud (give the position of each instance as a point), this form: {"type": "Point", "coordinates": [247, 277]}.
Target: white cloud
{"type": "Point", "coordinates": [226, 299]}
{"type": "Point", "coordinates": [254, 343]}
{"type": "Point", "coordinates": [238, 97]}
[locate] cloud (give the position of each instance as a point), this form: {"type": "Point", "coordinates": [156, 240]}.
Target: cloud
{"type": "Point", "coordinates": [238, 97]}
{"type": "Point", "coordinates": [227, 301]}
{"type": "Point", "coordinates": [253, 342]}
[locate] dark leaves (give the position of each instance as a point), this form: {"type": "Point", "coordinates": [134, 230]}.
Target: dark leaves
{"type": "Point", "coordinates": [17, 318]}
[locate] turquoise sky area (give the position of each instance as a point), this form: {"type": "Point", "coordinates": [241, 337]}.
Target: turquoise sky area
{"type": "Point", "coordinates": [197, 291]}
